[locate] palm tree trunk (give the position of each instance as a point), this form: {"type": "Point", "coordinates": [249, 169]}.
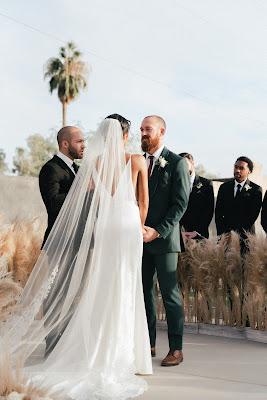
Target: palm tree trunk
{"type": "Point", "coordinates": [64, 113]}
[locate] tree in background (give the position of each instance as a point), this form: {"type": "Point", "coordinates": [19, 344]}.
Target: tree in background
{"type": "Point", "coordinates": [67, 74]}
{"type": "Point", "coordinates": [3, 164]}
{"type": "Point", "coordinates": [29, 161]}
{"type": "Point", "coordinates": [200, 170]}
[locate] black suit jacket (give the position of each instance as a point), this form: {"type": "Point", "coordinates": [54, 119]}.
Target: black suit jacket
{"type": "Point", "coordinates": [200, 208]}
{"type": "Point", "coordinates": [238, 214]}
{"type": "Point", "coordinates": [169, 190]}
{"type": "Point", "coordinates": [264, 213]}
{"type": "Point", "coordinates": [55, 180]}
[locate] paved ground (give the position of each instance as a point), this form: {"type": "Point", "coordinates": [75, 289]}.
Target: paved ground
{"type": "Point", "coordinates": [214, 368]}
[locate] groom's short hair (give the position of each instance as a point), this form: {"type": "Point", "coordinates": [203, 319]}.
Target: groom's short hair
{"type": "Point", "coordinates": [159, 119]}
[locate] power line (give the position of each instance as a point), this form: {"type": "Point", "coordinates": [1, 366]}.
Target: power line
{"type": "Point", "coordinates": [107, 60]}
{"type": "Point", "coordinates": [126, 68]}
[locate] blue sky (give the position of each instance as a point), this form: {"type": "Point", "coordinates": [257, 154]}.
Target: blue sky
{"type": "Point", "coordinates": [202, 65]}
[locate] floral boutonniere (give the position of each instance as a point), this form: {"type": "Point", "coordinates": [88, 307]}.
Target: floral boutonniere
{"type": "Point", "coordinates": [162, 162]}
{"type": "Point", "coordinates": [247, 187]}
{"type": "Point", "coordinates": [199, 185]}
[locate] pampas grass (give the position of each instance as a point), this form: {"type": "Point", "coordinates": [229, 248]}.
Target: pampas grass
{"type": "Point", "coordinates": [205, 261]}
{"type": "Point", "coordinates": [255, 287]}
{"type": "Point", "coordinates": [15, 386]}
{"type": "Point", "coordinates": [219, 286]}
{"type": "Point", "coordinates": [20, 243]}
{"type": "Point", "coordinates": [9, 290]}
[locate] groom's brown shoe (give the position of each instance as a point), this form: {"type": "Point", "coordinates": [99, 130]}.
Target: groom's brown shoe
{"type": "Point", "coordinates": [173, 358]}
{"type": "Point", "coordinates": [153, 351]}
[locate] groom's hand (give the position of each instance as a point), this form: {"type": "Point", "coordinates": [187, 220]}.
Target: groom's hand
{"type": "Point", "coordinates": [150, 234]}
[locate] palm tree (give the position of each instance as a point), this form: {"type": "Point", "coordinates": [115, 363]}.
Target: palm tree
{"type": "Point", "coordinates": [67, 74]}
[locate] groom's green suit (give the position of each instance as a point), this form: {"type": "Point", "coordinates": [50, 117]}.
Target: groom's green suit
{"type": "Point", "coordinates": [169, 189]}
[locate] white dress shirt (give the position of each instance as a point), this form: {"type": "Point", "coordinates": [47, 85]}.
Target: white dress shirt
{"type": "Point", "coordinates": [66, 160]}
{"type": "Point", "coordinates": [238, 183]}
{"type": "Point", "coordinates": [192, 178]}
{"type": "Point", "coordinates": [156, 156]}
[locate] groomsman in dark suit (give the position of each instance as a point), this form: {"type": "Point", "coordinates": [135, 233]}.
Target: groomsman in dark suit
{"type": "Point", "coordinates": [264, 213]}
{"type": "Point", "coordinates": [168, 198]}
{"type": "Point", "coordinates": [238, 202]}
{"type": "Point", "coordinates": [57, 175]}
{"type": "Point", "coordinates": [200, 209]}
{"type": "Point", "coordinates": [55, 181]}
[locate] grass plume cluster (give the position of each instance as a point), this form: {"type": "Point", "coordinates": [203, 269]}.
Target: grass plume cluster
{"type": "Point", "coordinates": [15, 386]}
{"type": "Point", "coordinates": [9, 290]}
{"type": "Point", "coordinates": [20, 244]}
{"type": "Point", "coordinates": [220, 286]}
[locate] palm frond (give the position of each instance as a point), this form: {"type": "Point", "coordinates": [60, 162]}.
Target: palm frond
{"type": "Point", "coordinates": [67, 74]}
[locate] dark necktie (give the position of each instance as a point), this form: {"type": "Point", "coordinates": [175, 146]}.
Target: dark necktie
{"type": "Point", "coordinates": [238, 190]}
{"type": "Point", "coordinates": [151, 161]}
{"type": "Point", "coordinates": [75, 167]}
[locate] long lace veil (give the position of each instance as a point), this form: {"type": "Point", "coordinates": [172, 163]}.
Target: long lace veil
{"type": "Point", "coordinates": [73, 249]}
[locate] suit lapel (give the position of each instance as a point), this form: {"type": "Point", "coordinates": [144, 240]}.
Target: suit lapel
{"type": "Point", "coordinates": [196, 183]}
{"type": "Point", "coordinates": [243, 191]}
{"type": "Point", "coordinates": [154, 178]}
{"type": "Point", "coordinates": [63, 165]}
{"type": "Point", "coordinates": [232, 190]}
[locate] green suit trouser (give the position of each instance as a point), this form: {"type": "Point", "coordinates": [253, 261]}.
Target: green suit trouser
{"type": "Point", "coordinates": [165, 266]}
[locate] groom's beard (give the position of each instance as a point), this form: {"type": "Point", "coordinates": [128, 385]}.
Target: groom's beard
{"type": "Point", "coordinates": [148, 143]}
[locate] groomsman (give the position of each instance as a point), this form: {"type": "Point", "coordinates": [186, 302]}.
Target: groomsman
{"type": "Point", "coordinates": [57, 175]}
{"type": "Point", "coordinates": [239, 202]}
{"type": "Point", "coordinates": [55, 180]}
{"type": "Point", "coordinates": [168, 198]}
{"type": "Point", "coordinates": [264, 213]}
{"type": "Point", "coordinates": [200, 209]}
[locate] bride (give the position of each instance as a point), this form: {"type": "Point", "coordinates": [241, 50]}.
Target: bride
{"type": "Point", "coordinates": [84, 297]}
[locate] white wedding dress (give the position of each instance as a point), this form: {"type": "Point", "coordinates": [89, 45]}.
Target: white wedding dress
{"type": "Point", "coordinates": [87, 283]}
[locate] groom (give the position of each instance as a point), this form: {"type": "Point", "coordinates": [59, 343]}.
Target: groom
{"type": "Point", "coordinates": [169, 189]}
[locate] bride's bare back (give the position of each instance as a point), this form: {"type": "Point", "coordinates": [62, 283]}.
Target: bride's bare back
{"type": "Point", "coordinates": [140, 182]}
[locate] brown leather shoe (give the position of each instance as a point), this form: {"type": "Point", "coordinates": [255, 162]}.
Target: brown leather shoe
{"type": "Point", "coordinates": [153, 351]}
{"type": "Point", "coordinates": [173, 358]}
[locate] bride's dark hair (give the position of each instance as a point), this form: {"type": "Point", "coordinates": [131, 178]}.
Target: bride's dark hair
{"type": "Point", "coordinates": [125, 123]}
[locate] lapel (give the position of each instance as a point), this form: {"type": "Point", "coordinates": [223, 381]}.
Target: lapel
{"type": "Point", "coordinates": [63, 165]}
{"type": "Point", "coordinates": [244, 191]}
{"type": "Point", "coordinates": [157, 170]}
{"type": "Point", "coordinates": [196, 182]}
{"type": "Point", "coordinates": [232, 190]}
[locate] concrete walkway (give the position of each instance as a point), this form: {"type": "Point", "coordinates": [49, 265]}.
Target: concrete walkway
{"type": "Point", "coordinates": [214, 368]}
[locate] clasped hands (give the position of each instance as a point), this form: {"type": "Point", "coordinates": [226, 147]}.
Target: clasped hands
{"type": "Point", "coordinates": [149, 234]}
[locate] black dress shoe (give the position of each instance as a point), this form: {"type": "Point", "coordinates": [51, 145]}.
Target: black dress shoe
{"type": "Point", "coordinates": [153, 351]}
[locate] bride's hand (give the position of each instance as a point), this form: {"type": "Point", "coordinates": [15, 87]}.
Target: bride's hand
{"type": "Point", "coordinates": [150, 234]}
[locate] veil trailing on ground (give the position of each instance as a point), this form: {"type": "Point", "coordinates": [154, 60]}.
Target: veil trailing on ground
{"type": "Point", "coordinates": [83, 290]}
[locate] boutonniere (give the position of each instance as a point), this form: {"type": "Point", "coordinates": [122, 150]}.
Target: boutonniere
{"type": "Point", "coordinates": [162, 162]}
{"type": "Point", "coordinates": [247, 187]}
{"type": "Point", "coordinates": [199, 185]}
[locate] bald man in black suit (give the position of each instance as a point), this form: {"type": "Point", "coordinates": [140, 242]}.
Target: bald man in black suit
{"type": "Point", "coordinates": [57, 175]}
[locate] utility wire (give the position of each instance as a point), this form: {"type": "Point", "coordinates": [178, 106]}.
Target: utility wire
{"type": "Point", "coordinates": [126, 68]}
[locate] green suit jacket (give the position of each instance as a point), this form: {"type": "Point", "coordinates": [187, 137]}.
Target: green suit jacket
{"type": "Point", "coordinates": [169, 189]}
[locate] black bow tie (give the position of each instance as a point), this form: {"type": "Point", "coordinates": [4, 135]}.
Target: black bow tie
{"type": "Point", "coordinates": [75, 167]}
